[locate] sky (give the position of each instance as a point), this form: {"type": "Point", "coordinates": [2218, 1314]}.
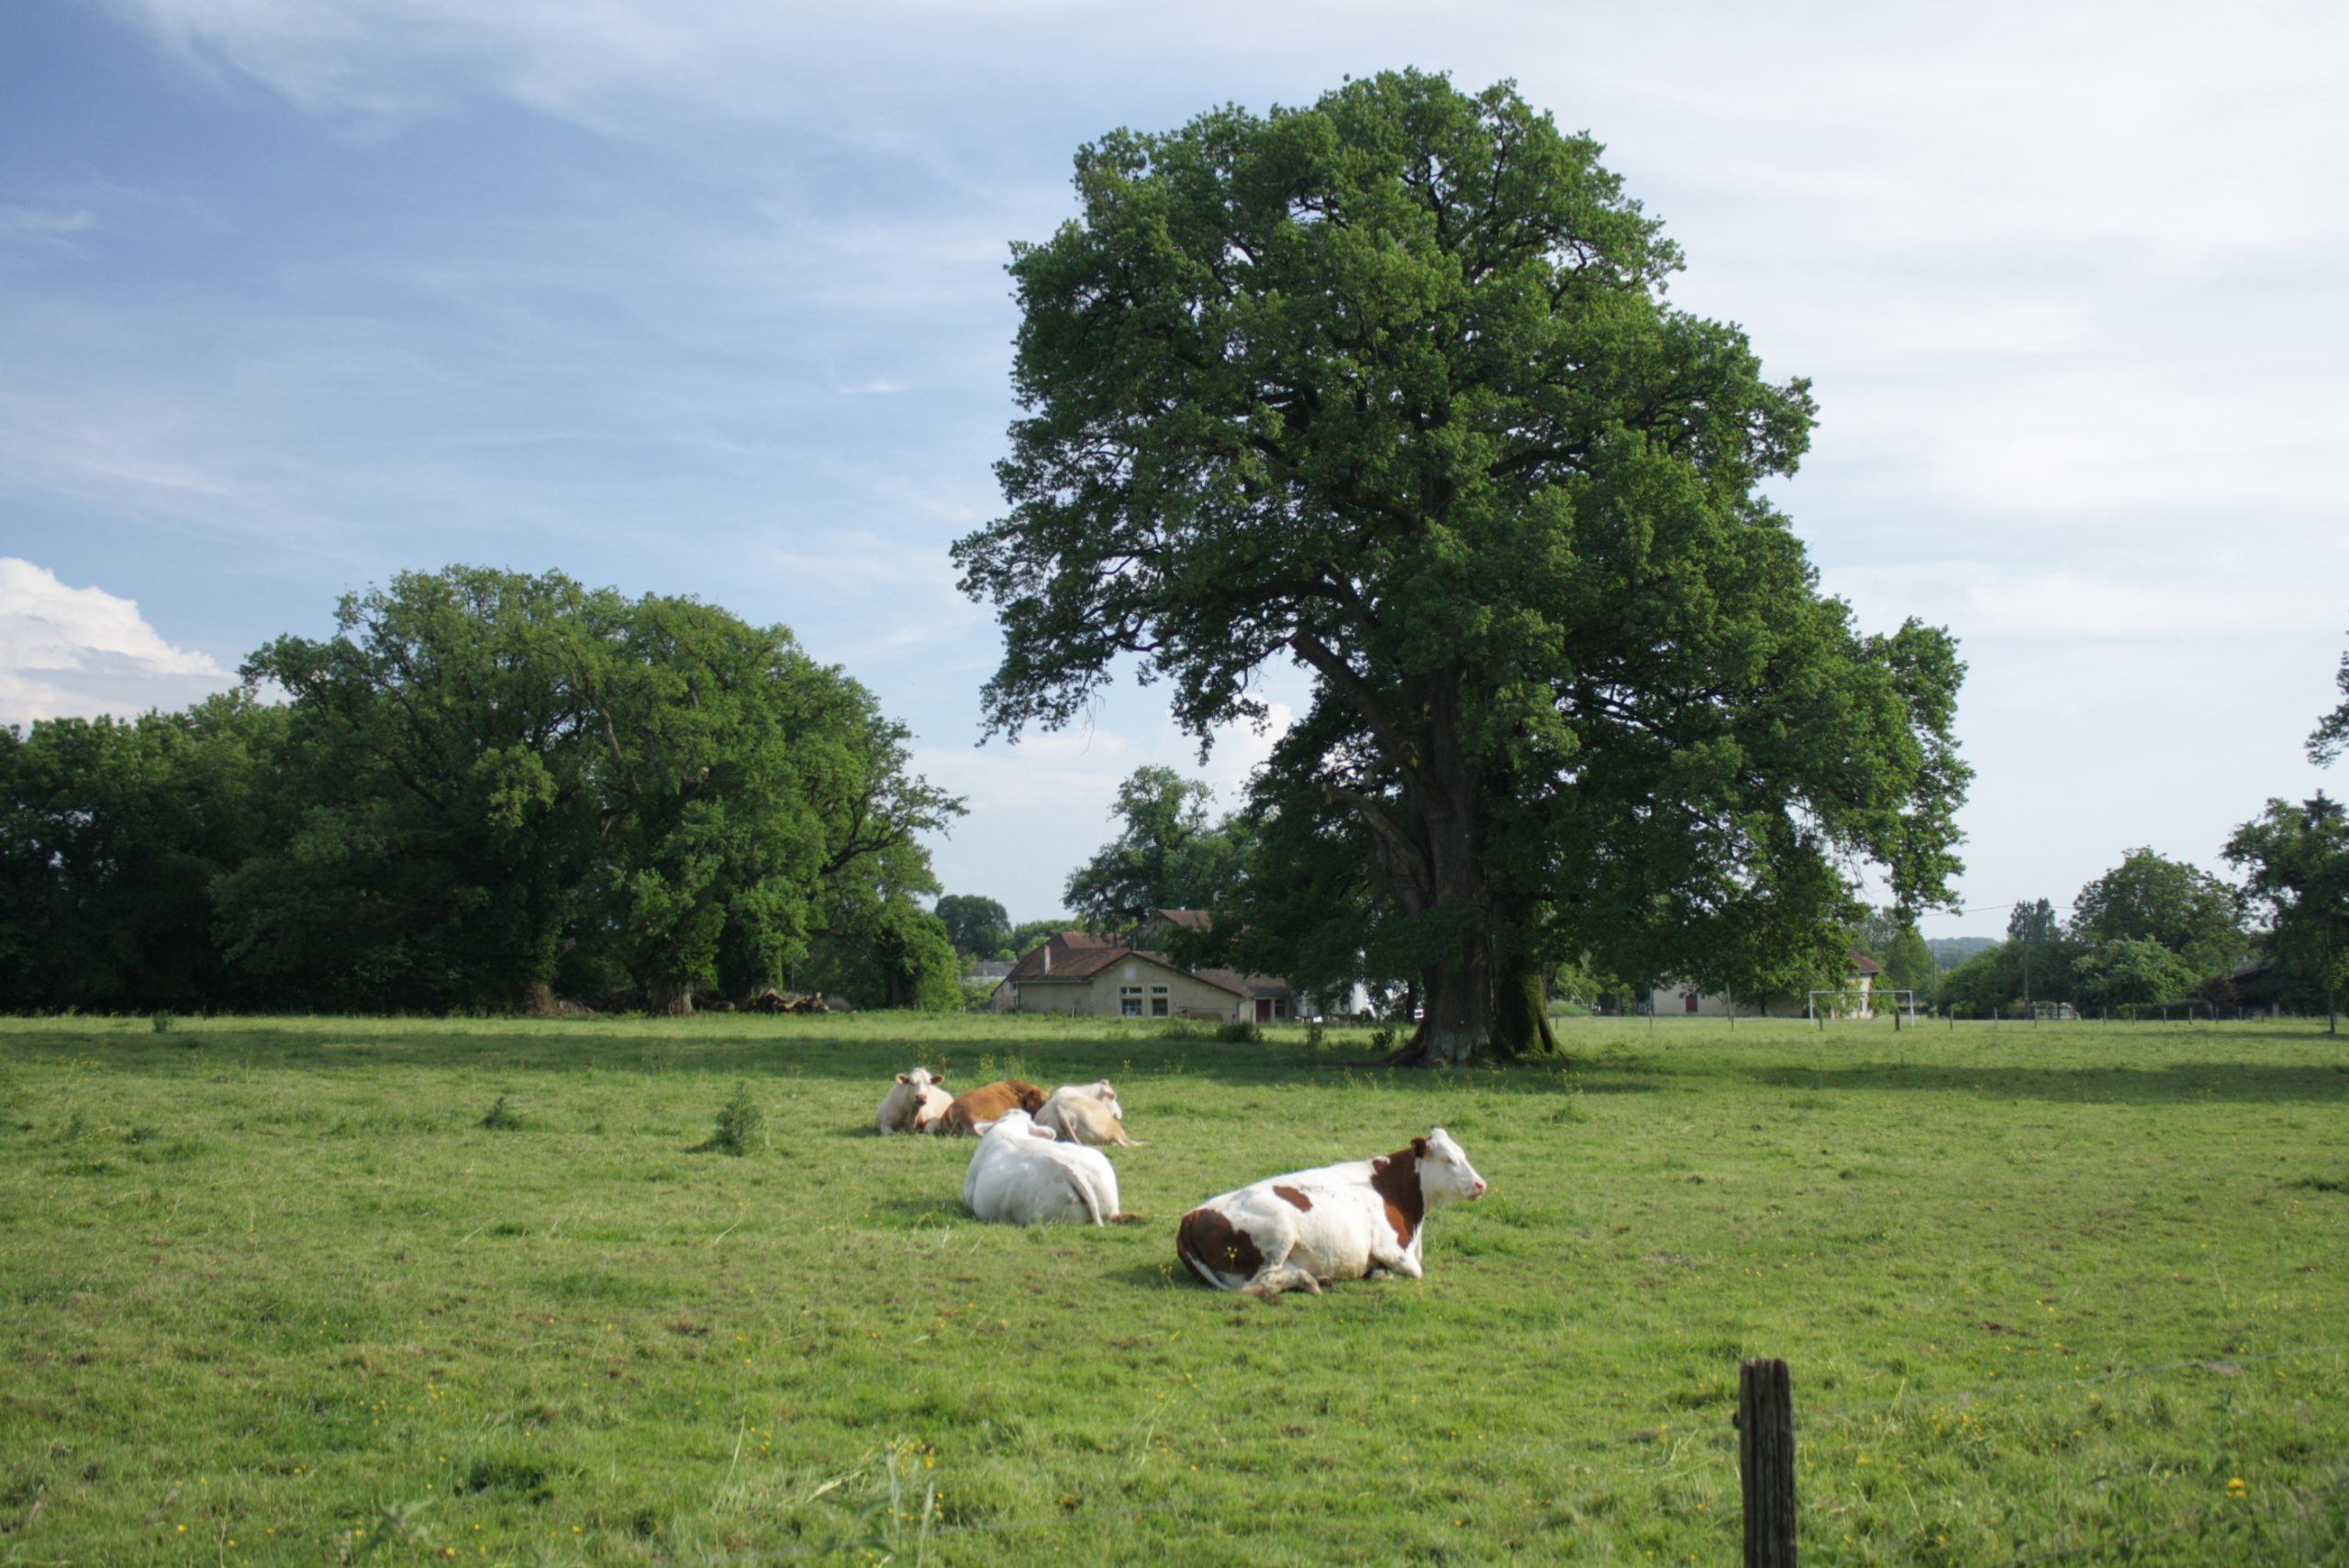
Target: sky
{"type": "Point", "coordinates": [707, 297]}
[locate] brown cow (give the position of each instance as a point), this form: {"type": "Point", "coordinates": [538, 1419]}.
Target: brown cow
{"type": "Point", "coordinates": [971, 1114]}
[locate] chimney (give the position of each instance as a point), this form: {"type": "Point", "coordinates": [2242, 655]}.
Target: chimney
{"type": "Point", "coordinates": [1048, 955]}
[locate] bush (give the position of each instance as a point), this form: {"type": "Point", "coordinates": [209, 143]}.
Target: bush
{"type": "Point", "coordinates": [1240, 1032]}
{"type": "Point", "coordinates": [740, 1122]}
{"type": "Point", "coordinates": [1314, 1036]}
{"type": "Point", "coordinates": [1383, 1037]}
{"type": "Point", "coordinates": [502, 1117]}
{"type": "Point", "coordinates": [164, 1022]}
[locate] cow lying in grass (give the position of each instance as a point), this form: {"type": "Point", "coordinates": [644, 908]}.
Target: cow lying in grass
{"type": "Point", "coordinates": [1086, 1113]}
{"type": "Point", "coordinates": [1021, 1174]}
{"type": "Point", "coordinates": [970, 1116]}
{"type": "Point", "coordinates": [1361, 1220]}
{"type": "Point", "coordinates": [914, 1103]}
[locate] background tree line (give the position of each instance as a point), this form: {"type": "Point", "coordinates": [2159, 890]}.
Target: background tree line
{"type": "Point", "coordinates": [486, 790]}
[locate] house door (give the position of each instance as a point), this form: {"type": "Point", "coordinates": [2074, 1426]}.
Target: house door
{"type": "Point", "coordinates": [1264, 1010]}
{"type": "Point", "coordinates": [1688, 1001]}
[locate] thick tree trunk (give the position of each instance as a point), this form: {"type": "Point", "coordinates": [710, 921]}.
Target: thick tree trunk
{"type": "Point", "coordinates": [670, 998]}
{"type": "Point", "coordinates": [1457, 1022]}
{"type": "Point", "coordinates": [534, 999]}
{"type": "Point", "coordinates": [1521, 1011]}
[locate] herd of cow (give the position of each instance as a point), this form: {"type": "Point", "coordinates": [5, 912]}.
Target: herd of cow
{"type": "Point", "coordinates": [1037, 1164]}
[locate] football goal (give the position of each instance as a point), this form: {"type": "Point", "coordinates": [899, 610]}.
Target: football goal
{"type": "Point", "coordinates": [1833, 1003]}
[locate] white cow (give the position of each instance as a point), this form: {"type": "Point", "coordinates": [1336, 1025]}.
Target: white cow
{"type": "Point", "coordinates": [914, 1103]}
{"type": "Point", "coordinates": [1361, 1220]}
{"type": "Point", "coordinates": [1023, 1175]}
{"type": "Point", "coordinates": [1087, 1113]}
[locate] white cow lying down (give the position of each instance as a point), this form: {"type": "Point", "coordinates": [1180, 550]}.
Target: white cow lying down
{"type": "Point", "coordinates": [1023, 1175]}
{"type": "Point", "coordinates": [1086, 1113]}
{"type": "Point", "coordinates": [1361, 1220]}
{"type": "Point", "coordinates": [914, 1103]}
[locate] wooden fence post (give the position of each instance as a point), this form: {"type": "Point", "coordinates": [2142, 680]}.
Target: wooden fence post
{"type": "Point", "coordinates": [1765, 1461]}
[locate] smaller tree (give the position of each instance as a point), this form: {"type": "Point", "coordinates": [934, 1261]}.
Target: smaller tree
{"type": "Point", "coordinates": [2330, 736]}
{"type": "Point", "coordinates": [979, 928]}
{"type": "Point", "coordinates": [2126, 970]}
{"type": "Point", "coordinates": [2146, 898]}
{"type": "Point", "coordinates": [1168, 856]}
{"type": "Point", "coordinates": [2296, 861]}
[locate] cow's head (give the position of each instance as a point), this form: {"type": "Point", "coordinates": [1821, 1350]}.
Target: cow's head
{"type": "Point", "coordinates": [1107, 1096]}
{"type": "Point", "coordinates": [1445, 1174]}
{"type": "Point", "coordinates": [1031, 1099]}
{"type": "Point", "coordinates": [920, 1078]}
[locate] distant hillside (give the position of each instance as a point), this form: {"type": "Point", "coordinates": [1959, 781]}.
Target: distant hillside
{"type": "Point", "coordinates": [1951, 951]}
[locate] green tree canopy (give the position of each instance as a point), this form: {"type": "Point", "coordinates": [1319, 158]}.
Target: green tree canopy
{"type": "Point", "coordinates": [1168, 853]}
{"type": "Point", "coordinates": [2295, 860]}
{"type": "Point", "coordinates": [2331, 736]}
{"type": "Point", "coordinates": [2126, 970]}
{"type": "Point", "coordinates": [2148, 899]}
{"type": "Point", "coordinates": [509, 777]}
{"type": "Point", "coordinates": [112, 833]}
{"type": "Point", "coordinates": [1389, 386]}
{"type": "Point", "coordinates": [978, 927]}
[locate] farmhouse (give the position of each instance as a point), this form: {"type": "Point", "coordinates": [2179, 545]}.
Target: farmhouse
{"type": "Point", "coordinates": [1084, 975]}
{"type": "Point", "coordinates": [1675, 999]}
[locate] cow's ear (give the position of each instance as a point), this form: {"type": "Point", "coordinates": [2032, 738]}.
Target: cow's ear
{"type": "Point", "coordinates": [903, 1079]}
{"type": "Point", "coordinates": [1378, 1166]}
{"type": "Point", "coordinates": [1420, 1147]}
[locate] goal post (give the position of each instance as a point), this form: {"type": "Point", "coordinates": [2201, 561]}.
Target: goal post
{"type": "Point", "coordinates": [1833, 1003]}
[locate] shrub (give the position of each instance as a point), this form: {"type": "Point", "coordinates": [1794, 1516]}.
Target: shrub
{"type": "Point", "coordinates": [740, 1122]}
{"type": "Point", "coordinates": [1314, 1036]}
{"type": "Point", "coordinates": [164, 1022]}
{"type": "Point", "coordinates": [502, 1117]}
{"type": "Point", "coordinates": [1240, 1032]}
{"type": "Point", "coordinates": [1383, 1037]}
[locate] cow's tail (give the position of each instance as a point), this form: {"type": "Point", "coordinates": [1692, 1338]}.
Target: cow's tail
{"type": "Point", "coordinates": [1086, 1196]}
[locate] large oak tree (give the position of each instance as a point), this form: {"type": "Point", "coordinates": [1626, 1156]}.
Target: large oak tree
{"type": "Point", "coordinates": [1389, 386]}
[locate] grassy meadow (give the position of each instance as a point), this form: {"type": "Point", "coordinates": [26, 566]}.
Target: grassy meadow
{"type": "Point", "coordinates": [270, 1293]}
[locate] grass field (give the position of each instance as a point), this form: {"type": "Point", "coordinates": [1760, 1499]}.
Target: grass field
{"type": "Point", "coordinates": [273, 1294]}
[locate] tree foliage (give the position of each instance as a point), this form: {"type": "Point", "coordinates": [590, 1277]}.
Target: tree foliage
{"type": "Point", "coordinates": [2147, 898]}
{"type": "Point", "coordinates": [1388, 386]}
{"type": "Point", "coordinates": [2331, 736]}
{"type": "Point", "coordinates": [1168, 853]}
{"type": "Point", "coordinates": [112, 833]}
{"type": "Point", "coordinates": [978, 927]}
{"type": "Point", "coordinates": [2295, 860]}
{"type": "Point", "coordinates": [483, 786]}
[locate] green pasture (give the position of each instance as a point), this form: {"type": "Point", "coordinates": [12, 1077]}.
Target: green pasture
{"type": "Point", "coordinates": [270, 1294]}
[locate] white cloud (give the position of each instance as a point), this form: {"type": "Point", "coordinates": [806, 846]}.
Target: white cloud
{"type": "Point", "coordinates": [83, 652]}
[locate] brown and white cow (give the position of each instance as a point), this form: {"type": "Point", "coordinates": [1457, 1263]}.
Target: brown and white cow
{"type": "Point", "coordinates": [914, 1103]}
{"type": "Point", "coordinates": [1360, 1220]}
{"type": "Point", "coordinates": [1086, 1113]}
{"type": "Point", "coordinates": [970, 1116]}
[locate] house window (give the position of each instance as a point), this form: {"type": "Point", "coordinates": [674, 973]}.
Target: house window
{"type": "Point", "coordinates": [1130, 1001]}
{"type": "Point", "coordinates": [1158, 1001]}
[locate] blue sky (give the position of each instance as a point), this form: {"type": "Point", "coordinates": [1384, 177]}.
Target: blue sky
{"type": "Point", "coordinates": [707, 297]}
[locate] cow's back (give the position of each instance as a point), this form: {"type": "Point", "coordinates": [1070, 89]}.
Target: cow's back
{"type": "Point", "coordinates": [971, 1112]}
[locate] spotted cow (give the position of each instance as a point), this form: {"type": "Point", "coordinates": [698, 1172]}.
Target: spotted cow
{"type": "Point", "coordinates": [1360, 1220]}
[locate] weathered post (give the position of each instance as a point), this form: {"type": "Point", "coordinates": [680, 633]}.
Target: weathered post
{"type": "Point", "coordinates": [1765, 1461]}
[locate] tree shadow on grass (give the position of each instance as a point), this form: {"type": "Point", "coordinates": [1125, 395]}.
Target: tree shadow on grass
{"type": "Point", "coordinates": [2234, 1081]}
